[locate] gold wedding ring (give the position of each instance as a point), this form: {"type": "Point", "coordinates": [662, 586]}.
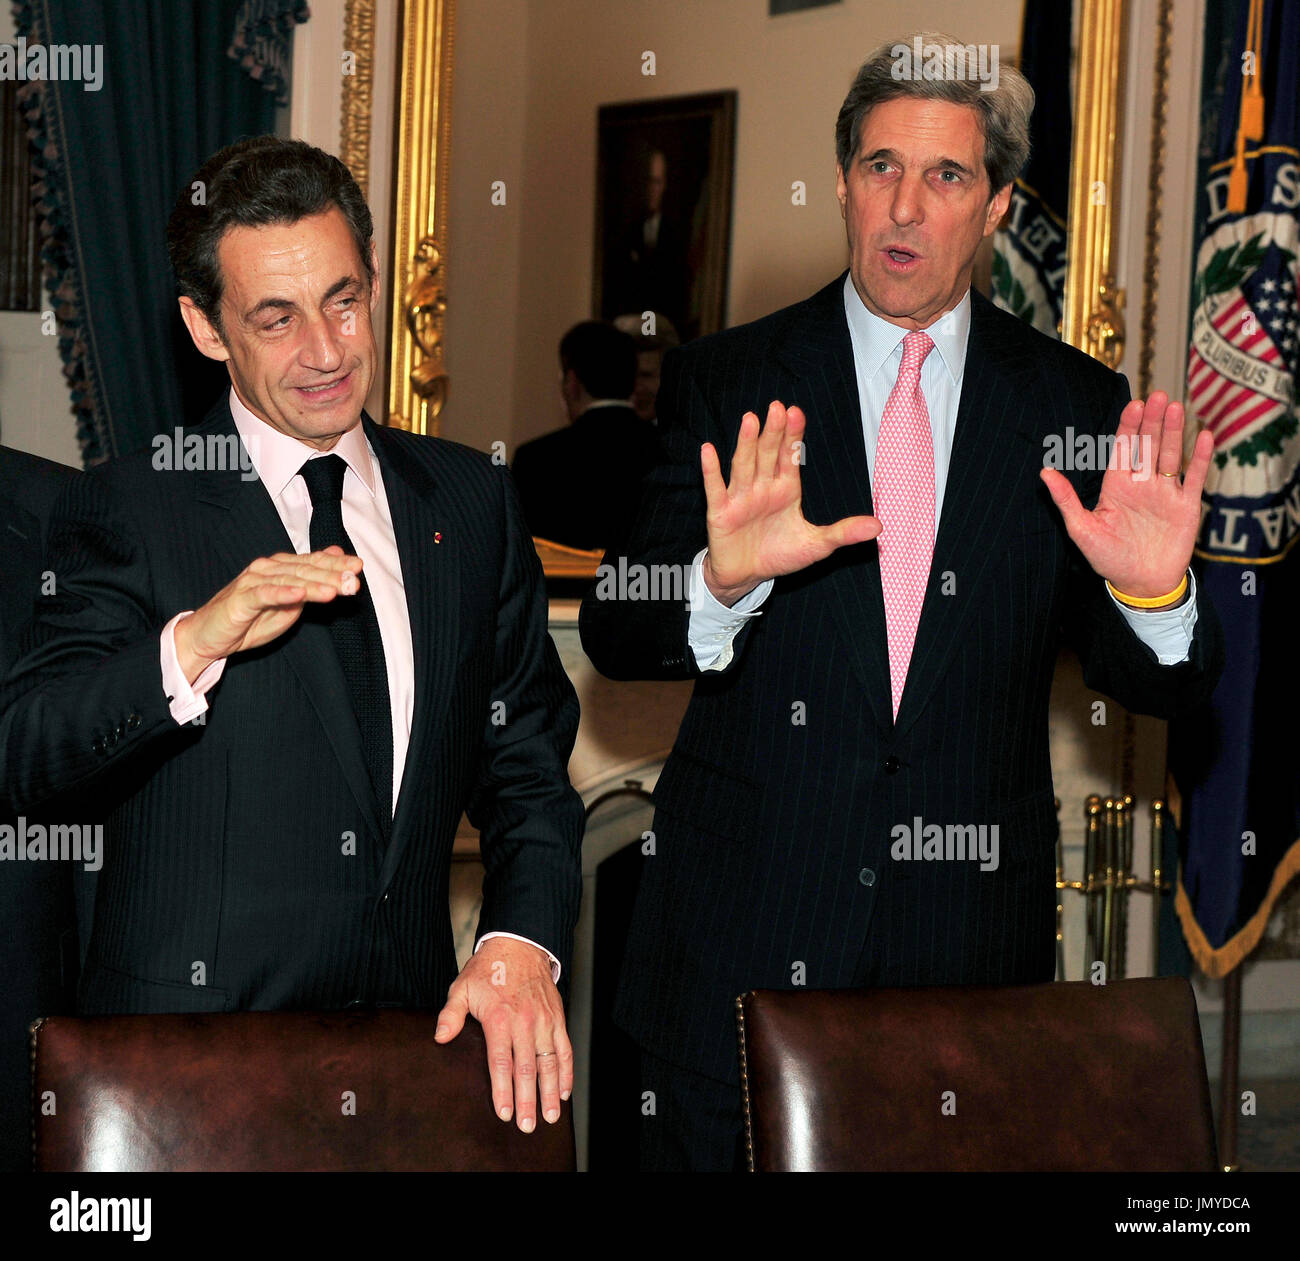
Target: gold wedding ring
{"type": "Point", "coordinates": [1168, 474]}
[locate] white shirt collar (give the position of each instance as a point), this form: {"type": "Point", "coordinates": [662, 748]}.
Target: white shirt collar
{"type": "Point", "coordinates": [875, 339]}
{"type": "Point", "coordinates": [277, 457]}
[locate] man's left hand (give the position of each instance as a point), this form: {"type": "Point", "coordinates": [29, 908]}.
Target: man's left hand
{"type": "Point", "coordinates": [507, 988]}
{"type": "Point", "coordinates": [1141, 534]}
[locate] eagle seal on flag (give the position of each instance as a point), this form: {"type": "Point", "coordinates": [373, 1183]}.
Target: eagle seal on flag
{"type": "Point", "coordinates": [1241, 381]}
{"type": "Point", "coordinates": [1235, 764]}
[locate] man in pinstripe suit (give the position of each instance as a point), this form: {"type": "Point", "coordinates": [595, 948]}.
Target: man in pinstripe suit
{"type": "Point", "coordinates": [283, 740]}
{"type": "Point", "coordinates": [37, 924]}
{"type": "Point", "coordinates": [880, 579]}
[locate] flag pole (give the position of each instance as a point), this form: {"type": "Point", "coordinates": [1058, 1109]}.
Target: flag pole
{"type": "Point", "coordinates": [1229, 1075]}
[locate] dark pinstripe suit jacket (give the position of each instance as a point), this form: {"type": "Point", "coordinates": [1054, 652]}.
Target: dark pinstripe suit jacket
{"type": "Point", "coordinates": [226, 844]}
{"type": "Point", "coordinates": [37, 925]}
{"type": "Point", "coordinates": [776, 807]}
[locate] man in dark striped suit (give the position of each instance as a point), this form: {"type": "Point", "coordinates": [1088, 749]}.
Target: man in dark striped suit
{"type": "Point", "coordinates": [37, 922]}
{"type": "Point", "coordinates": [861, 792]}
{"type": "Point", "coordinates": [284, 741]}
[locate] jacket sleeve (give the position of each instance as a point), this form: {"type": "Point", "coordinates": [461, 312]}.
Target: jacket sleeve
{"type": "Point", "coordinates": [1115, 661]}
{"type": "Point", "coordinates": [85, 697]}
{"type": "Point", "coordinates": [530, 819]}
{"type": "Point", "coordinates": [640, 631]}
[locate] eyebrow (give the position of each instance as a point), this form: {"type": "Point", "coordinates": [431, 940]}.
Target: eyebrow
{"type": "Point", "coordinates": [891, 155]}
{"type": "Point", "coordinates": [284, 304]}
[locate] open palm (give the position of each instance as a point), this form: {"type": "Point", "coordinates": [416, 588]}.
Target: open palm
{"type": "Point", "coordinates": [1140, 535]}
{"type": "Point", "coordinates": [756, 525]}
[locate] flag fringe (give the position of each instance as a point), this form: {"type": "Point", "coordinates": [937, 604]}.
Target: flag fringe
{"type": "Point", "coordinates": [1217, 963]}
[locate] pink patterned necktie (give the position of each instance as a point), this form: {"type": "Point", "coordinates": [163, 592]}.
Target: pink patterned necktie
{"type": "Point", "coordinates": [903, 494]}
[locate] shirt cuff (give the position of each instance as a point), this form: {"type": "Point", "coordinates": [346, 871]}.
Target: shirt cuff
{"type": "Point", "coordinates": [1167, 632]}
{"type": "Point", "coordinates": [711, 626]}
{"type": "Point", "coordinates": [186, 700]}
{"type": "Point", "coordinates": [555, 963]}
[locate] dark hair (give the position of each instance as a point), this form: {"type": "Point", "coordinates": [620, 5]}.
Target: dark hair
{"type": "Point", "coordinates": [251, 184]}
{"type": "Point", "coordinates": [603, 358]}
{"type": "Point", "coordinates": [1003, 113]}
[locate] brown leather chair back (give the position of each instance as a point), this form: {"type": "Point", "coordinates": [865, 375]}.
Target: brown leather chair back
{"type": "Point", "coordinates": [355, 1090]}
{"type": "Point", "coordinates": [1063, 1076]}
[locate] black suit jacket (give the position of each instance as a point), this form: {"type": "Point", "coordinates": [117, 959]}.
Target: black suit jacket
{"type": "Point", "coordinates": [776, 809]}
{"type": "Point", "coordinates": [580, 486]}
{"type": "Point", "coordinates": [246, 865]}
{"type": "Point", "coordinates": [37, 923]}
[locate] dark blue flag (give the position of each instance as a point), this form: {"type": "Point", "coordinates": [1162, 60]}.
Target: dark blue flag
{"type": "Point", "coordinates": [1029, 251]}
{"type": "Point", "coordinates": [1237, 765]}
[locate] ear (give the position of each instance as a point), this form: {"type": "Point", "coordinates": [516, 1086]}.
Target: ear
{"type": "Point", "coordinates": [842, 190]}
{"type": "Point", "coordinates": [204, 336]}
{"type": "Point", "coordinates": [374, 277]}
{"type": "Point", "coordinates": [996, 209]}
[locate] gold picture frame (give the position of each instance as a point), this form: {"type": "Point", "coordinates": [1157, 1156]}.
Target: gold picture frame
{"type": "Point", "coordinates": [417, 379]}
{"type": "Point", "coordinates": [1092, 311]}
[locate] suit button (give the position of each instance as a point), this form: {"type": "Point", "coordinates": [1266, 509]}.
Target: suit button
{"type": "Point", "coordinates": [867, 877]}
{"type": "Point", "coordinates": [99, 746]}
{"type": "Point", "coordinates": [121, 730]}
{"type": "Point", "coordinates": [891, 765]}
{"type": "Point", "coordinates": [133, 722]}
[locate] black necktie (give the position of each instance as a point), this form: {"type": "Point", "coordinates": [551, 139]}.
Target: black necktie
{"type": "Point", "coordinates": [354, 629]}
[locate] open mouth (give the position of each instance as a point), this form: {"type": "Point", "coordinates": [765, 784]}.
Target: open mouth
{"type": "Point", "coordinates": [900, 256]}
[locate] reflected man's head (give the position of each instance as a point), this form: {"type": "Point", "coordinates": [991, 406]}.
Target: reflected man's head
{"type": "Point", "coordinates": [272, 248]}
{"type": "Point", "coordinates": [597, 363]}
{"type": "Point", "coordinates": [656, 181]}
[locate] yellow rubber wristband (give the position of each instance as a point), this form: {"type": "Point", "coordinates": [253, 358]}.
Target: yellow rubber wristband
{"type": "Point", "coordinates": [1152, 602]}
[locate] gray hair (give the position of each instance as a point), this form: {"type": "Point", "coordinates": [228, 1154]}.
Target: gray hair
{"type": "Point", "coordinates": [1003, 112]}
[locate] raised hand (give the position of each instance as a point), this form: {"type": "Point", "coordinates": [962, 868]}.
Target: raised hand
{"type": "Point", "coordinates": [262, 603]}
{"type": "Point", "coordinates": [1141, 534]}
{"type": "Point", "coordinates": [757, 529]}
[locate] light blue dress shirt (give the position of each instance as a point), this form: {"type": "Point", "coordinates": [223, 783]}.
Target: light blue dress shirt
{"type": "Point", "coordinates": [877, 357]}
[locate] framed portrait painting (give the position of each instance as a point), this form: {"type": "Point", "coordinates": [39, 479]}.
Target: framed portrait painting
{"type": "Point", "coordinates": [663, 210]}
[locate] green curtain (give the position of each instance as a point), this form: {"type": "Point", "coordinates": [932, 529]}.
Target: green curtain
{"type": "Point", "coordinates": [178, 79]}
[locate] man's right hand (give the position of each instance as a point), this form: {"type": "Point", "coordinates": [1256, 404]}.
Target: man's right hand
{"type": "Point", "coordinates": [261, 604]}
{"type": "Point", "coordinates": [756, 524]}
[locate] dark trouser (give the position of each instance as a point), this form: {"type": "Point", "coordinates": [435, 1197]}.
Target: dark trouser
{"type": "Point", "coordinates": [697, 1125]}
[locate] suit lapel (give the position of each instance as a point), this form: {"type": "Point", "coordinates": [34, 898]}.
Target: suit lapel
{"type": "Point", "coordinates": [20, 544]}
{"type": "Point", "coordinates": [430, 576]}
{"type": "Point", "coordinates": [244, 525]}
{"type": "Point", "coordinates": [817, 349]}
{"type": "Point", "coordinates": [990, 457]}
